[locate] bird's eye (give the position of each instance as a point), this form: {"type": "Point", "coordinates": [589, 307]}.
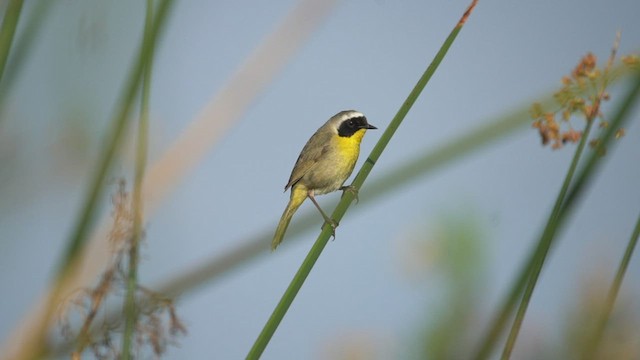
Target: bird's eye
{"type": "Point", "coordinates": [351, 123]}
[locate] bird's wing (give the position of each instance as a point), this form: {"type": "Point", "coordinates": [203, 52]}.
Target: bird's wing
{"type": "Point", "coordinates": [310, 156]}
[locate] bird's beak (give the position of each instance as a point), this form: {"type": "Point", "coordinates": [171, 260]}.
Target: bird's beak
{"type": "Point", "coordinates": [369, 126]}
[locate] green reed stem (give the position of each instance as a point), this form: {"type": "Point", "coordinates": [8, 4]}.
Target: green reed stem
{"type": "Point", "coordinates": [8, 30]}
{"type": "Point", "coordinates": [544, 245]}
{"type": "Point", "coordinates": [298, 280]}
{"type": "Point", "coordinates": [591, 347]}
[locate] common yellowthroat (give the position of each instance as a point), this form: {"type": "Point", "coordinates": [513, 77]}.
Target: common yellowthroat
{"type": "Point", "coordinates": [324, 164]}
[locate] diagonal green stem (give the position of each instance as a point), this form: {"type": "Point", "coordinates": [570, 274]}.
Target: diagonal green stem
{"type": "Point", "coordinates": [22, 46]}
{"type": "Point", "coordinates": [7, 32]}
{"type": "Point", "coordinates": [130, 309]}
{"type": "Point", "coordinates": [591, 346]}
{"type": "Point", "coordinates": [298, 280]}
{"type": "Point", "coordinates": [544, 245]}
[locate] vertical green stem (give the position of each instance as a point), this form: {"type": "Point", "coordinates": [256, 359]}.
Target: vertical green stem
{"type": "Point", "coordinates": [130, 307]}
{"type": "Point", "coordinates": [9, 24]}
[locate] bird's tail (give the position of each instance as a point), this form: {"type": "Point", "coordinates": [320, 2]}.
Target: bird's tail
{"type": "Point", "coordinates": [298, 195]}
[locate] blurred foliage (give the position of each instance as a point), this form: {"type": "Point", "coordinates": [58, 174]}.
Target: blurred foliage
{"type": "Point", "coordinates": [459, 246]}
{"type": "Point", "coordinates": [454, 255]}
{"type": "Point", "coordinates": [621, 339]}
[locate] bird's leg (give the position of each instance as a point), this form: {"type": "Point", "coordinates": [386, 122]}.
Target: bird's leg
{"type": "Point", "coordinates": [352, 189]}
{"type": "Point", "coordinates": [327, 219]}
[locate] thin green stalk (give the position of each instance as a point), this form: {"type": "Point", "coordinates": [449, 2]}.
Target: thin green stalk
{"type": "Point", "coordinates": [591, 346]}
{"type": "Point", "coordinates": [574, 194]}
{"type": "Point", "coordinates": [9, 24]}
{"type": "Point", "coordinates": [298, 280]}
{"type": "Point", "coordinates": [23, 45]}
{"type": "Point", "coordinates": [130, 309]}
{"type": "Point", "coordinates": [500, 320]}
{"type": "Point", "coordinates": [545, 243]}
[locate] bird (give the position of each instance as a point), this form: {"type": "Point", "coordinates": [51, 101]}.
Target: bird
{"type": "Point", "coordinates": [324, 164]}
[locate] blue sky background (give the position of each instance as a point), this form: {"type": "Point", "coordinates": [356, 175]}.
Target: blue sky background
{"type": "Point", "coordinates": [366, 56]}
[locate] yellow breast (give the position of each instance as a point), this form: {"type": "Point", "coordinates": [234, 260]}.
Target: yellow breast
{"type": "Point", "coordinates": [349, 147]}
{"type": "Point", "coordinates": [348, 152]}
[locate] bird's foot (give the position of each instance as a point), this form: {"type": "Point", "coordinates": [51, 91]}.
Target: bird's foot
{"type": "Point", "coordinates": [352, 189]}
{"type": "Point", "coordinates": [334, 224]}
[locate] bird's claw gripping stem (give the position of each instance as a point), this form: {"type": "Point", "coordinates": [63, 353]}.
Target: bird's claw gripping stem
{"type": "Point", "coordinates": [334, 224]}
{"type": "Point", "coordinates": [352, 189]}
